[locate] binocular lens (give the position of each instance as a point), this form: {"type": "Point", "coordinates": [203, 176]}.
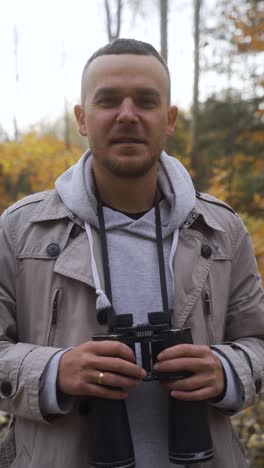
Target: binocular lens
{"type": "Point", "coordinates": [109, 438]}
{"type": "Point", "coordinates": [189, 435]}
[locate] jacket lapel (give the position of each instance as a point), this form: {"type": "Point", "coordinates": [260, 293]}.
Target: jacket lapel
{"type": "Point", "coordinates": [76, 260]}
{"type": "Point", "coordinates": [191, 267]}
{"type": "Point", "coordinates": [190, 273]}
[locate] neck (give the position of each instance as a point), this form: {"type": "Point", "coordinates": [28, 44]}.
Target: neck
{"type": "Point", "coordinates": [128, 195]}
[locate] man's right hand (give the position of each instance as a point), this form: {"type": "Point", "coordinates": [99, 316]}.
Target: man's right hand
{"type": "Point", "coordinates": [80, 368]}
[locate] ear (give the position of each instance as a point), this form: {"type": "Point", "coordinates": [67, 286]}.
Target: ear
{"type": "Point", "coordinates": [172, 117]}
{"type": "Point", "coordinates": [80, 117]}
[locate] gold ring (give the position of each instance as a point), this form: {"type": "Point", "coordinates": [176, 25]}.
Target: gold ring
{"type": "Point", "coordinates": [100, 378]}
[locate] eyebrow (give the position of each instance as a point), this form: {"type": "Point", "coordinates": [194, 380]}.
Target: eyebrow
{"type": "Point", "coordinates": [141, 92]}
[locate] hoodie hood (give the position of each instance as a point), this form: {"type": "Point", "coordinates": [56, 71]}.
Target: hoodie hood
{"type": "Point", "coordinates": [76, 189]}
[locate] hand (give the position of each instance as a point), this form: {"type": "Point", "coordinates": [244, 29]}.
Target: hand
{"type": "Point", "coordinates": [80, 367]}
{"type": "Point", "coordinates": [207, 379]}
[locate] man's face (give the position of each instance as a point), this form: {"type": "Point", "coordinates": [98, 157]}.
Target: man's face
{"type": "Point", "coordinates": [126, 114]}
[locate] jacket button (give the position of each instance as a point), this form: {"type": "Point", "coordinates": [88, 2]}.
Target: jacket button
{"type": "Point", "coordinates": [6, 388]}
{"type": "Point", "coordinates": [102, 316]}
{"type": "Point", "coordinates": [258, 385]}
{"type": "Point", "coordinates": [53, 250]}
{"type": "Point", "coordinates": [206, 251]}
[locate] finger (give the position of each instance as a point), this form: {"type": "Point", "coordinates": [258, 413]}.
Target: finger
{"type": "Point", "coordinates": [184, 350]}
{"type": "Point", "coordinates": [100, 391]}
{"type": "Point", "coordinates": [112, 348]}
{"type": "Point", "coordinates": [181, 364]}
{"type": "Point", "coordinates": [197, 395]}
{"type": "Point", "coordinates": [114, 380]}
{"type": "Point", "coordinates": [118, 366]}
{"type": "Point", "coordinates": [189, 384]}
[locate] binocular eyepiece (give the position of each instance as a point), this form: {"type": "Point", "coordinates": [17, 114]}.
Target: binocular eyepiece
{"type": "Point", "coordinates": [109, 437]}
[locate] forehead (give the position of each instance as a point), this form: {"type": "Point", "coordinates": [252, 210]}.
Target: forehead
{"type": "Point", "coordinates": [125, 71]}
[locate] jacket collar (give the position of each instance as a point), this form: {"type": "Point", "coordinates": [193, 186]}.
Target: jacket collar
{"type": "Point", "coordinates": [51, 208]}
{"type": "Point", "coordinates": [200, 211]}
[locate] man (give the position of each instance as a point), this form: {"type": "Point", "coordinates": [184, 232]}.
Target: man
{"type": "Point", "coordinates": [73, 257]}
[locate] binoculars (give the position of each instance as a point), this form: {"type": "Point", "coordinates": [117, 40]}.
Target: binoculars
{"type": "Point", "coordinates": [110, 442]}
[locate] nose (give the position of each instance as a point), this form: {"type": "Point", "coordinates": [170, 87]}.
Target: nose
{"type": "Point", "coordinates": [127, 112]}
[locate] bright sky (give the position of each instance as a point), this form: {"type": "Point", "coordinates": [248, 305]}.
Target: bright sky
{"type": "Point", "coordinates": [55, 38]}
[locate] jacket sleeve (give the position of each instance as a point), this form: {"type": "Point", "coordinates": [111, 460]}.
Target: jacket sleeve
{"type": "Point", "coordinates": [21, 364]}
{"type": "Point", "coordinates": [244, 333]}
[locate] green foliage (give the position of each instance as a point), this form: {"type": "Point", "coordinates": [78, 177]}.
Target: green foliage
{"type": "Point", "coordinates": [232, 137]}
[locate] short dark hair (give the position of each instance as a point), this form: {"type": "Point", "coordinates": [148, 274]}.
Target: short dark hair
{"type": "Point", "coordinates": [123, 46]}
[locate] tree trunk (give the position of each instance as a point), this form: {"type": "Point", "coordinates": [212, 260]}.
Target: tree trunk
{"type": "Point", "coordinates": [109, 20]}
{"type": "Point", "coordinates": [164, 29]}
{"type": "Point", "coordinates": [16, 132]}
{"type": "Point", "coordinates": [67, 131]}
{"type": "Point", "coordinates": [195, 107]}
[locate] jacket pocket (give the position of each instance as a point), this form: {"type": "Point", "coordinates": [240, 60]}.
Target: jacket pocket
{"type": "Point", "coordinates": [8, 448]}
{"type": "Point", "coordinates": [208, 315]}
{"type": "Point", "coordinates": [22, 460]}
{"type": "Point", "coordinates": [55, 308]}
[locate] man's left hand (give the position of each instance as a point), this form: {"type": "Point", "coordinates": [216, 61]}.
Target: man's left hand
{"type": "Point", "coordinates": [207, 379]}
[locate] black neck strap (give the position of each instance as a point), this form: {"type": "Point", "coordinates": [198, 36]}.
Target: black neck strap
{"type": "Point", "coordinates": [106, 267]}
{"type": "Point", "coordinates": [163, 283]}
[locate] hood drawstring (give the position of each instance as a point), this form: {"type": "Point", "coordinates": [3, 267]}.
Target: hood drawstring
{"type": "Point", "coordinates": [102, 301]}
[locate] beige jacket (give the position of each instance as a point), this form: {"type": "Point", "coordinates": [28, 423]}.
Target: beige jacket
{"type": "Point", "coordinates": [47, 302]}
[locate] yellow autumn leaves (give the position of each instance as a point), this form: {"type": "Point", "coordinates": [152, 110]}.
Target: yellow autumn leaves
{"type": "Point", "coordinates": [34, 162]}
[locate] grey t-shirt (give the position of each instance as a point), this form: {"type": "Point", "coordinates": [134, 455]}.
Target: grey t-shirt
{"type": "Point", "coordinates": [148, 417]}
{"type": "Point", "coordinates": [136, 289]}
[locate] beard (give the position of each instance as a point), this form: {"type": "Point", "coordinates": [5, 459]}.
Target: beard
{"type": "Point", "coordinates": [130, 171]}
{"type": "Point", "coordinates": [129, 166]}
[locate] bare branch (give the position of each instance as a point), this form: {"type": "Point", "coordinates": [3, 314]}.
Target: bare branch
{"type": "Point", "coordinates": [119, 12]}
{"type": "Point", "coordinates": [108, 20]}
{"type": "Point", "coordinates": [195, 106]}
{"type": "Point", "coordinates": [163, 29]}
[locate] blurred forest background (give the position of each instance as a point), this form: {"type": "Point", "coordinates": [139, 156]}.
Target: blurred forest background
{"type": "Point", "coordinates": [219, 139]}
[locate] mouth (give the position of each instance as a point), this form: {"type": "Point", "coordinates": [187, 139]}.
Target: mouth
{"type": "Point", "coordinates": [127, 141]}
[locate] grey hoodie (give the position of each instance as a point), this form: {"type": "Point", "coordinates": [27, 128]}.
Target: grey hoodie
{"type": "Point", "coordinates": [135, 279]}
{"type": "Point", "coordinates": [76, 188]}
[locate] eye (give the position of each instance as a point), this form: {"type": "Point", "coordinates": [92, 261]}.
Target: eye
{"type": "Point", "coordinates": [107, 102]}
{"type": "Point", "coordinates": [147, 103]}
